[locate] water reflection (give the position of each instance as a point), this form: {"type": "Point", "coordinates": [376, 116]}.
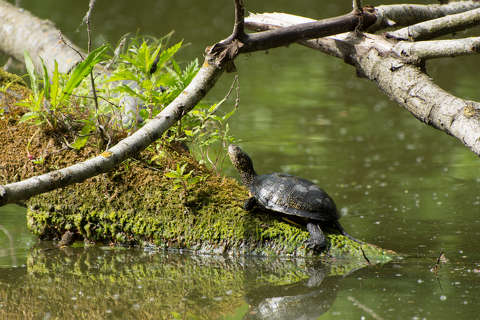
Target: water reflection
{"type": "Point", "coordinates": [305, 299]}
{"type": "Point", "coordinates": [111, 282]}
{"type": "Point", "coordinates": [11, 250]}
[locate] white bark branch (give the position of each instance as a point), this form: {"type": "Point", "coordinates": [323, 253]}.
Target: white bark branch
{"type": "Point", "coordinates": [438, 48]}
{"type": "Point", "coordinates": [438, 27]}
{"type": "Point", "coordinates": [21, 31]}
{"type": "Point", "coordinates": [407, 14]}
{"type": "Point", "coordinates": [403, 82]}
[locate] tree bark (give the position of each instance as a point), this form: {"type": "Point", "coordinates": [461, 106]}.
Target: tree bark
{"type": "Point", "coordinates": [408, 14]}
{"type": "Point", "coordinates": [438, 27]}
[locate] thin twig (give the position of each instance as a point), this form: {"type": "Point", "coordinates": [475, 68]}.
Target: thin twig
{"type": "Point", "coordinates": [103, 135]}
{"type": "Point", "coordinates": [235, 80]}
{"type": "Point", "coordinates": [365, 256]}
{"type": "Point", "coordinates": [62, 39]}
{"type": "Point", "coordinates": [100, 97]}
{"type": "Point", "coordinates": [238, 27]}
{"type": "Point", "coordinates": [86, 20]}
{"type": "Point", "coordinates": [357, 6]}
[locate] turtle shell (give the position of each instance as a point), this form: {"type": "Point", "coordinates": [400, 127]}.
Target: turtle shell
{"type": "Point", "coordinates": [281, 192]}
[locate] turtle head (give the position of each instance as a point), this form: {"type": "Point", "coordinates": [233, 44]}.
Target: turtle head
{"type": "Point", "coordinates": [242, 162]}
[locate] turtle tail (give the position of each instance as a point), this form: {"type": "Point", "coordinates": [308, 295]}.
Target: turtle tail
{"type": "Point", "coordinates": [343, 232]}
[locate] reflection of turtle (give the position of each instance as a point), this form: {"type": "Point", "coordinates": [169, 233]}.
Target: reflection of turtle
{"type": "Point", "coordinates": [302, 200]}
{"type": "Point", "coordinates": [306, 299]}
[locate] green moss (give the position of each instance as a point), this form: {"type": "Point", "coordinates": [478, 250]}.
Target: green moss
{"type": "Point", "coordinates": [12, 81]}
{"type": "Point", "coordinates": [136, 205]}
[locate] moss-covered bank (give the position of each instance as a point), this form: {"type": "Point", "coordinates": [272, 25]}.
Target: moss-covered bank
{"type": "Point", "coordinates": [137, 204]}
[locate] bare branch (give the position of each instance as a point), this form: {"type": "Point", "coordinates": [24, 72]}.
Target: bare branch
{"type": "Point", "coordinates": [229, 48]}
{"type": "Point", "coordinates": [438, 48]}
{"type": "Point", "coordinates": [438, 27]}
{"type": "Point", "coordinates": [267, 21]}
{"type": "Point", "coordinates": [86, 20]}
{"type": "Point", "coordinates": [325, 27]}
{"type": "Point", "coordinates": [407, 14]}
{"type": "Point", "coordinates": [357, 5]}
{"type": "Point", "coordinates": [238, 27]}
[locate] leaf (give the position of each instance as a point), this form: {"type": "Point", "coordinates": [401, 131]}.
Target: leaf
{"type": "Point", "coordinates": [80, 142]}
{"type": "Point", "coordinates": [153, 56]}
{"type": "Point", "coordinates": [167, 55]}
{"type": "Point", "coordinates": [82, 69]}
{"type": "Point", "coordinates": [31, 72]}
{"type": "Point", "coordinates": [46, 80]}
{"type": "Point", "coordinates": [144, 113]}
{"type": "Point", "coordinates": [126, 89]}
{"type": "Point", "coordinates": [55, 87]}
{"type": "Point", "coordinates": [228, 115]}
{"type": "Point", "coordinates": [171, 174]}
{"type": "Point", "coordinates": [123, 75]}
{"type": "Point", "coordinates": [29, 116]}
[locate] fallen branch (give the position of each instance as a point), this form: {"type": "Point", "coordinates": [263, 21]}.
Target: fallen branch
{"type": "Point", "coordinates": [404, 82]}
{"type": "Point", "coordinates": [438, 27]}
{"type": "Point", "coordinates": [408, 14]}
{"type": "Point", "coordinates": [438, 48]}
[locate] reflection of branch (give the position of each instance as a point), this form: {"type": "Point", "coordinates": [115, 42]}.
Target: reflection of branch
{"type": "Point", "coordinates": [10, 239]}
{"type": "Point", "coordinates": [356, 303]}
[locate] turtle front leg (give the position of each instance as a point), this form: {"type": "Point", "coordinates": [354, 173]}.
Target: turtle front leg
{"type": "Point", "coordinates": [317, 240]}
{"type": "Point", "coordinates": [249, 204]}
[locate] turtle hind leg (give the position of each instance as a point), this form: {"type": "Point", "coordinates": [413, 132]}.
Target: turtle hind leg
{"type": "Point", "coordinates": [250, 204]}
{"type": "Point", "coordinates": [343, 232]}
{"type": "Point", "coordinates": [317, 240]}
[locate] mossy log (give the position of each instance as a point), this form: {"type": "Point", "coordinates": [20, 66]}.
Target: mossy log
{"type": "Point", "coordinates": [136, 204]}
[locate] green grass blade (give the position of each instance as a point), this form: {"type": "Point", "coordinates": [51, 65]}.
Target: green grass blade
{"type": "Point", "coordinates": [46, 80]}
{"type": "Point", "coordinates": [83, 69]}
{"type": "Point", "coordinates": [31, 72]}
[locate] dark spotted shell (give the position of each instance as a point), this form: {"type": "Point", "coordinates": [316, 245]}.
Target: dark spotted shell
{"type": "Point", "coordinates": [281, 192]}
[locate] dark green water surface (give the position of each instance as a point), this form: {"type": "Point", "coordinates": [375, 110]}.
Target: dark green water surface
{"type": "Point", "coordinates": [398, 183]}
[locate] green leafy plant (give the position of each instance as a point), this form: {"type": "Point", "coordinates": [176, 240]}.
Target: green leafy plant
{"type": "Point", "coordinates": [51, 103]}
{"type": "Point", "coordinates": [183, 179]}
{"type": "Point", "coordinates": [209, 133]}
{"type": "Point", "coordinates": [64, 101]}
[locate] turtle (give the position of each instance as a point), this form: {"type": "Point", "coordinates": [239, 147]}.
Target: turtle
{"type": "Point", "coordinates": [295, 199]}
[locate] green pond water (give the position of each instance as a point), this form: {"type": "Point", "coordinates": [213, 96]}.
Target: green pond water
{"type": "Point", "coordinates": [397, 182]}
